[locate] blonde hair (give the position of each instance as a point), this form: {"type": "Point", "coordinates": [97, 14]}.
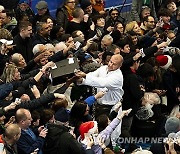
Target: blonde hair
{"type": "Point", "coordinates": [8, 73]}
{"type": "Point", "coordinates": [5, 34]}
{"type": "Point", "coordinates": [130, 26]}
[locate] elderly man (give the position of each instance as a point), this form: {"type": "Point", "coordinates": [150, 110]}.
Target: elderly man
{"type": "Point", "coordinates": [109, 79]}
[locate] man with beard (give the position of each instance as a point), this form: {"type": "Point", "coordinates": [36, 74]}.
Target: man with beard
{"type": "Point", "coordinates": [113, 18]}
{"type": "Point", "coordinates": [148, 24]}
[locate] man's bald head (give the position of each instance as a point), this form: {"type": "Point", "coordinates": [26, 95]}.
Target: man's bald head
{"type": "Point", "coordinates": [115, 62]}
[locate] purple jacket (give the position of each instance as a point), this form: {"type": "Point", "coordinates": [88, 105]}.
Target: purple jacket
{"type": "Point", "coordinates": [105, 134]}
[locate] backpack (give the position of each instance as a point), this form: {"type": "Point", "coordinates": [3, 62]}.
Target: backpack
{"type": "Point", "coordinates": [52, 140]}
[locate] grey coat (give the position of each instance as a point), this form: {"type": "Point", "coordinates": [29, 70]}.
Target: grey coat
{"type": "Point", "coordinates": [62, 17]}
{"type": "Point", "coordinates": [137, 7]}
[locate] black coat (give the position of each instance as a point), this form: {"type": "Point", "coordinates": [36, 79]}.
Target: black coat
{"type": "Point", "coordinates": [37, 39]}
{"type": "Point", "coordinates": [9, 4]}
{"type": "Point", "coordinates": [132, 92]}
{"type": "Point", "coordinates": [24, 47]}
{"type": "Point", "coordinates": [36, 103]}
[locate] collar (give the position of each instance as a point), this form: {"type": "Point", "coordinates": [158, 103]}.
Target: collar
{"type": "Point", "coordinates": [133, 70]}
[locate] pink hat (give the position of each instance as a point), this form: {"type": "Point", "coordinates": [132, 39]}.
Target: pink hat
{"type": "Point", "coordinates": [87, 127]}
{"type": "Point", "coordinates": [164, 61]}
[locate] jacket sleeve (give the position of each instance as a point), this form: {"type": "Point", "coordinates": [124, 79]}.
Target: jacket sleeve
{"type": "Point", "coordinates": [90, 100]}
{"type": "Point", "coordinates": [24, 84]}
{"type": "Point", "coordinates": [109, 82]}
{"type": "Point", "coordinates": [29, 74]}
{"type": "Point", "coordinates": [44, 99]}
{"type": "Point", "coordinates": [135, 88]}
{"type": "Point", "coordinates": [89, 151]}
{"type": "Point", "coordinates": [60, 19]}
{"type": "Point", "coordinates": [134, 12]}
{"type": "Point", "coordinates": [57, 57]}
{"type": "Point", "coordinates": [110, 128]}
{"type": "Point", "coordinates": [27, 146]}
{"type": "Point", "coordinates": [150, 51]}
{"type": "Point", "coordinates": [31, 64]}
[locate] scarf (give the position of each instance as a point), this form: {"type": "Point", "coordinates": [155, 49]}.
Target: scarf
{"type": "Point", "coordinates": [70, 17]}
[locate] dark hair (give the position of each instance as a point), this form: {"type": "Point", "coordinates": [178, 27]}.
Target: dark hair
{"type": "Point", "coordinates": [35, 115]}
{"type": "Point", "coordinates": [24, 25]}
{"type": "Point", "coordinates": [96, 18]}
{"type": "Point", "coordinates": [65, 37]}
{"type": "Point", "coordinates": [145, 19]}
{"type": "Point", "coordinates": [132, 33]}
{"type": "Point", "coordinates": [77, 112]}
{"type": "Point", "coordinates": [168, 2]}
{"type": "Point", "coordinates": [113, 9]}
{"type": "Point", "coordinates": [146, 70]}
{"type": "Point", "coordinates": [9, 13]}
{"type": "Point", "coordinates": [123, 42]}
{"type": "Point", "coordinates": [164, 12]}
{"type": "Point", "coordinates": [102, 121]}
{"type": "Point", "coordinates": [74, 33]}
{"type": "Point", "coordinates": [46, 115]}
{"type": "Point", "coordinates": [116, 23]}
{"type": "Point", "coordinates": [105, 54]}
{"type": "Point", "coordinates": [44, 18]}
{"type": "Point", "coordinates": [54, 31]}
{"type": "Point", "coordinates": [152, 61]}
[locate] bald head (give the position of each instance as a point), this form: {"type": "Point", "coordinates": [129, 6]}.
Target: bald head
{"type": "Point", "coordinates": [115, 62]}
{"type": "Point", "coordinates": [21, 114]}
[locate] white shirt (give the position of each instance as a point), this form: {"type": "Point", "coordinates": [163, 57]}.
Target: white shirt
{"type": "Point", "coordinates": [111, 82]}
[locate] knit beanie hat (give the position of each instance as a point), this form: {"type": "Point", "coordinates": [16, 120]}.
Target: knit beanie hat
{"type": "Point", "coordinates": [5, 89]}
{"type": "Point", "coordinates": [164, 61]}
{"type": "Point", "coordinates": [172, 125]}
{"type": "Point", "coordinates": [89, 127]}
{"type": "Point", "coordinates": [85, 4]}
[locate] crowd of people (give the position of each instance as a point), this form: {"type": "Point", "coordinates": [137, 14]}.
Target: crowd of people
{"type": "Point", "coordinates": [127, 84]}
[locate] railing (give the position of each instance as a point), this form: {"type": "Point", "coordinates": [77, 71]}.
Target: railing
{"type": "Point", "coordinates": [54, 4]}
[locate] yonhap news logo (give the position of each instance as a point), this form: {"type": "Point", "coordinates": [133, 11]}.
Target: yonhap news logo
{"type": "Point", "coordinates": [139, 140]}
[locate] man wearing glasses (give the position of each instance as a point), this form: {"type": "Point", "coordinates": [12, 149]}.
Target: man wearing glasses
{"type": "Point", "coordinates": [42, 10]}
{"type": "Point", "coordinates": [147, 24]}
{"type": "Point", "coordinates": [64, 14]}
{"type": "Point", "coordinates": [113, 18]}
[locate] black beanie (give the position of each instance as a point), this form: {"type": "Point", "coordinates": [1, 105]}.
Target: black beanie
{"type": "Point", "coordinates": [85, 4]}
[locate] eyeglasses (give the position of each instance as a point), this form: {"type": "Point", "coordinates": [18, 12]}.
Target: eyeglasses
{"type": "Point", "coordinates": [41, 9]}
{"type": "Point", "coordinates": [151, 21]}
{"type": "Point", "coordinates": [114, 14]}
{"type": "Point", "coordinates": [72, 2]}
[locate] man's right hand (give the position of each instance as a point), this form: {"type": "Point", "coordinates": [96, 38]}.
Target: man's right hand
{"type": "Point", "coordinates": [43, 133]}
{"type": "Point", "coordinates": [80, 74]}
